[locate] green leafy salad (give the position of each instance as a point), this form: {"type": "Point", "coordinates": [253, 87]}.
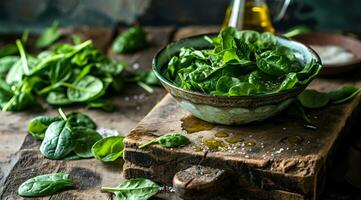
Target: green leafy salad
{"type": "Point", "coordinates": [241, 63]}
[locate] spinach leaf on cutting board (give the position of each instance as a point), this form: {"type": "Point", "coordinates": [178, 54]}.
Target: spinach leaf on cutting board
{"type": "Point", "coordinates": [138, 188]}
{"type": "Point", "coordinates": [45, 185]}
{"type": "Point", "coordinates": [58, 140]}
{"type": "Point", "coordinates": [38, 125]}
{"type": "Point", "coordinates": [108, 149]}
{"type": "Point", "coordinates": [85, 138]}
{"type": "Point", "coordinates": [169, 140]}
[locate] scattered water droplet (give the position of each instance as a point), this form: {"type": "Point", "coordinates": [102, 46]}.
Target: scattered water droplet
{"type": "Point", "coordinates": [221, 135]}
{"type": "Point", "coordinates": [197, 148]}
{"type": "Point", "coordinates": [310, 126]}
{"type": "Point", "coordinates": [249, 144]}
{"type": "Point", "coordinates": [253, 150]}
{"type": "Point", "coordinates": [233, 140]}
{"type": "Point", "coordinates": [213, 144]}
{"type": "Point", "coordinates": [135, 66]}
{"type": "Point", "coordinates": [294, 140]}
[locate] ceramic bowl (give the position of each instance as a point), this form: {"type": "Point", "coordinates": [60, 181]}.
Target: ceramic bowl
{"type": "Point", "coordinates": [228, 110]}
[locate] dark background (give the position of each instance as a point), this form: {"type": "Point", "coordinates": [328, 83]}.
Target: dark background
{"type": "Point", "coordinates": [15, 15]}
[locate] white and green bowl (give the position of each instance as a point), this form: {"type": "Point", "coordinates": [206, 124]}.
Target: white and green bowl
{"type": "Point", "coordinates": [222, 109]}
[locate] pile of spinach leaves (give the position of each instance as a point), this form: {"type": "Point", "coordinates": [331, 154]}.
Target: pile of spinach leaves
{"type": "Point", "coordinates": [68, 74]}
{"type": "Point", "coordinates": [68, 136]}
{"type": "Point", "coordinates": [242, 63]}
{"type": "Point", "coordinates": [65, 75]}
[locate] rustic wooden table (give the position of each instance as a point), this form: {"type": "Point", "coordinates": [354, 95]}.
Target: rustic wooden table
{"type": "Point", "coordinates": [19, 155]}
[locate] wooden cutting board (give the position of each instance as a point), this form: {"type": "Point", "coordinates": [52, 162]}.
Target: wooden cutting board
{"type": "Point", "coordinates": [279, 158]}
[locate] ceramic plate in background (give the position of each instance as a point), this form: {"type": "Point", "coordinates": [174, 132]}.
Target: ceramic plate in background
{"type": "Point", "coordinates": [325, 39]}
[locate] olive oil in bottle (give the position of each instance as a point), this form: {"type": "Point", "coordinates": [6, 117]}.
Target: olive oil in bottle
{"type": "Point", "coordinates": [255, 16]}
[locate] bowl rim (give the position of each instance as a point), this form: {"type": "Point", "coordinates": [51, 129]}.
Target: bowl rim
{"type": "Point", "coordinates": [270, 95]}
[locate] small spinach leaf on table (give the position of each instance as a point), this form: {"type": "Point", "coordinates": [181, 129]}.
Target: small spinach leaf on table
{"type": "Point", "coordinates": [108, 149]}
{"type": "Point", "coordinates": [131, 40]}
{"type": "Point", "coordinates": [313, 99]}
{"type": "Point", "coordinates": [78, 119]}
{"type": "Point", "coordinates": [58, 141]}
{"type": "Point", "coordinates": [44, 185]}
{"type": "Point", "coordinates": [169, 140]}
{"type": "Point", "coordinates": [343, 94]}
{"type": "Point", "coordinates": [138, 188]}
{"type": "Point", "coordinates": [85, 138]}
{"type": "Point", "coordinates": [296, 110]}
{"type": "Point", "coordinates": [38, 125]}
{"type": "Point", "coordinates": [49, 36]}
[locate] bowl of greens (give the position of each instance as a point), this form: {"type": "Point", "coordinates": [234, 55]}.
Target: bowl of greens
{"type": "Point", "coordinates": [235, 77]}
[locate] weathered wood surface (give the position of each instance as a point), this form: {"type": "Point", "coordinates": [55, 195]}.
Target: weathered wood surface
{"type": "Point", "coordinates": [131, 105]}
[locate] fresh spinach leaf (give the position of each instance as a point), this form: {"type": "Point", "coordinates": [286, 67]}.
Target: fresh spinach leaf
{"type": "Point", "coordinates": [225, 83]}
{"type": "Point", "coordinates": [296, 110]}
{"type": "Point", "coordinates": [347, 98]}
{"type": "Point", "coordinates": [58, 141]}
{"type": "Point", "coordinates": [45, 185]}
{"type": "Point", "coordinates": [108, 149]}
{"type": "Point", "coordinates": [169, 140]}
{"type": "Point", "coordinates": [49, 36]}
{"type": "Point", "coordinates": [85, 138]}
{"type": "Point", "coordinates": [6, 63]}
{"type": "Point", "coordinates": [38, 125]}
{"type": "Point", "coordinates": [8, 50]}
{"type": "Point", "coordinates": [138, 188]}
{"type": "Point", "coordinates": [343, 94]}
{"type": "Point", "coordinates": [21, 96]}
{"type": "Point", "coordinates": [131, 40]}
{"type": "Point", "coordinates": [102, 104]}
{"type": "Point", "coordinates": [313, 99]}
{"type": "Point", "coordinates": [60, 72]}
{"type": "Point", "coordinates": [274, 63]}
{"type": "Point", "coordinates": [5, 93]}
{"type": "Point", "coordinates": [78, 119]}
{"type": "Point", "coordinates": [58, 98]}
{"type": "Point", "coordinates": [85, 89]}
{"type": "Point", "coordinates": [242, 89]}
